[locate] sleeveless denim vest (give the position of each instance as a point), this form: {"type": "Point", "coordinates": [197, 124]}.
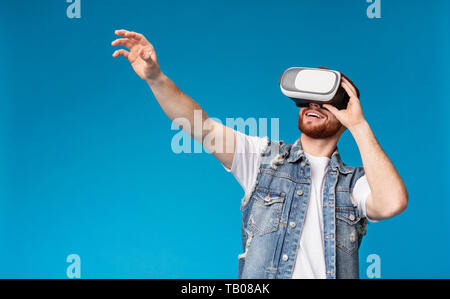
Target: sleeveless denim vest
{"type": "Point", "coordinates": [274, 212]}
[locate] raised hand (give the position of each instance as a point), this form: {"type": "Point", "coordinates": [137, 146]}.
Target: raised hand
{"type": "Point", "coordinates": [141, 54]}
{"type": "Point", "coordinates": [353, 114]}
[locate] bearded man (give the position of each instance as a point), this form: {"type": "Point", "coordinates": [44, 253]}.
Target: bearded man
{"type": "Point", "coordinates": [304, 211]}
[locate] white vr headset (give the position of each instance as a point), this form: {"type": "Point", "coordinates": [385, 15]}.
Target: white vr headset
{"type": "Point", "coordinates": [308, 85]}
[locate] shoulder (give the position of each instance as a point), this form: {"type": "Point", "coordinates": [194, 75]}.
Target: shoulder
{"type": "Point", "coordinates": [250, 144]}
{"type": "Point", "coordinates": [275, 150]}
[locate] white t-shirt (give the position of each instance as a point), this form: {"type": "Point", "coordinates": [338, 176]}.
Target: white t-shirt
{"type": "Point", "coordinates": [310, 261]}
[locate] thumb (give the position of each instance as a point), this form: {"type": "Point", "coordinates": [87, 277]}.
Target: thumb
{"type": "Point", "coordinates": [145, 54]}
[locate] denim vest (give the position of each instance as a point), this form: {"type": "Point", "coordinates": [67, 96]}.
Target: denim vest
{"type": "Point", "coordinates": [274, 212]}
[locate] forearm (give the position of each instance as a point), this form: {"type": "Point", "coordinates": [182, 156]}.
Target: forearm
{"type": "Point", "coordinates": [388, 192]}
{"type": "Point", "coordinates": [185, 112]}
{"type": "Point", "coordinates": [174, 102]}
{"type": "Point", "coordinates": [177, 105]}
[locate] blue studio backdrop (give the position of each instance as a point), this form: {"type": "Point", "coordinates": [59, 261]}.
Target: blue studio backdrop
{"type": "Point", "coordinates": [86, 164]}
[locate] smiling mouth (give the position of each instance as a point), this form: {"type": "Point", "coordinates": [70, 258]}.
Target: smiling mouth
{"type": "Point", "coordinates": [314, 115]}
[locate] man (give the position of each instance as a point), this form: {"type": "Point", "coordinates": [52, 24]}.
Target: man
{"type": "Point", "coordinates": [304, 212]}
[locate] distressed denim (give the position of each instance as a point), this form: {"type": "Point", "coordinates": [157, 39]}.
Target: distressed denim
{"type": "Point", "coordinates": [274, 212]}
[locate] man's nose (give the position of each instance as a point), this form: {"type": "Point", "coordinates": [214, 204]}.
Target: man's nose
{"type": "Point", "coordinates": [314, 105]}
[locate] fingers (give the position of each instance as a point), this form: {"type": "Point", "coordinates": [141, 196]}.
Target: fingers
{"type": "Point", "coordinates": [123, 42]}
{"type": "Point", "coordinates": [121, 32]}
{"type": "Point", "coordinates": [130, 35]}
{"type": "Point", "coordinates": [331, 108]}
{"type": "Point", "coordinates": [134, 35]}
{"type": "Point", "coordinates": [121, 52]}
{"type": "Point", "coordinates": [349, 90]}
{"type": "Point", "coordinates": [137, 37]}
{"type": "Point", "coordinates": [346, 82]}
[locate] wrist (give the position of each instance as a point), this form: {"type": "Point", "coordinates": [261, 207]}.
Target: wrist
{"type": "Point", "coordinates": [156, 80]}
{"type": "Point", "coordinates": [359, 128]}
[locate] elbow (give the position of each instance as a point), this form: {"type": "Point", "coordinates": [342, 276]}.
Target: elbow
{"type": "Point", "coordinates": [393, 207]}
{"type": "Point", "coordinates": [398, 205]}
{"type": "Point", "coordinates": [401, 206]}
{"type": "Point", "coordinates": [403, 200]}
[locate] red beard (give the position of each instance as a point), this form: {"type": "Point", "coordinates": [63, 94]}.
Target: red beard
{"type": "Point", "coordinates": [324, 129]}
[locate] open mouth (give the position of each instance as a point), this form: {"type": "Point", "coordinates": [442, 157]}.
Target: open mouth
{"type": "Point", "coordinates": [314, 114]}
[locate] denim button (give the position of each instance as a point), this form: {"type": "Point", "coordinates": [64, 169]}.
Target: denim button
{"type": "Point", "coordinates": [292, 224]}
{"type": "Point", "coordinates": [352, 217]}
{"type": "Point", "coordinates": [285, 257]}
{"type": "Point", "coordinates": [299, 192]}
{"type": "Point", "coordinates": [303, 164]}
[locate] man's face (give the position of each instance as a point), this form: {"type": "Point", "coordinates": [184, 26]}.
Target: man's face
{"type": "Point", "coordinates": [318, 123]}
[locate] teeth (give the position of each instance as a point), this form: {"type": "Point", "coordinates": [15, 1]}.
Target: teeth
{"type": "Point", "coordinates": [313, 114]}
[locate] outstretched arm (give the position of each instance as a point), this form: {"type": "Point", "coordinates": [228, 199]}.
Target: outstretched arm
{"type": "Point", "coordinates": [389, 196]}
{"type": "Point", "coordinates": [179, 107]}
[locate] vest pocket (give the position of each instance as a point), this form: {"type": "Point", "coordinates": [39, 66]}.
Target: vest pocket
{"type": "Point", "coordinates": [266, 211]}
{"type": "Point", "coordinates": [347, 236]}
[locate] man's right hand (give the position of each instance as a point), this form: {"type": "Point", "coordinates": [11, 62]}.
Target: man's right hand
{"type": "Point", "coordinates": [141, 54]}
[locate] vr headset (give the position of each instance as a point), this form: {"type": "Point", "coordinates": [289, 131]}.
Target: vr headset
{"type": "Point", "coordinates": [308, 85]}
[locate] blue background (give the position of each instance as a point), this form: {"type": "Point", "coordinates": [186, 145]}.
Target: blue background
{"type": "Point", "coordinates": [86, 165]}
